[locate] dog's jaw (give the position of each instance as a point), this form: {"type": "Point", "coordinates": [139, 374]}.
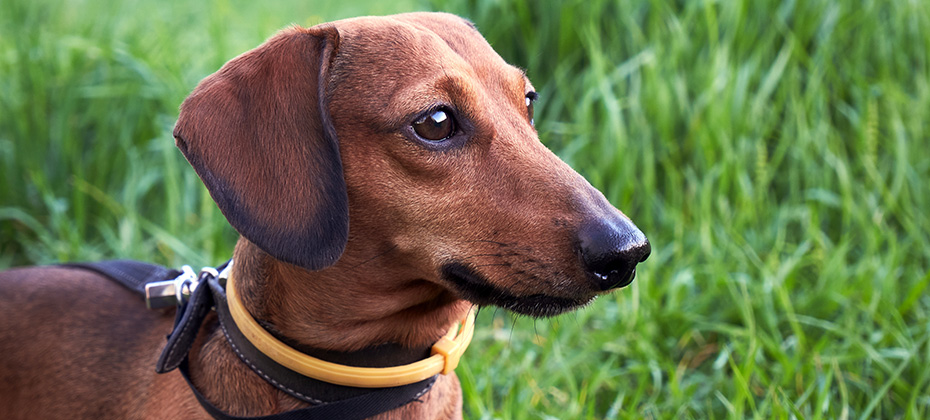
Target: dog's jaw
{"type": "Point", "coordinates": [473, 287]}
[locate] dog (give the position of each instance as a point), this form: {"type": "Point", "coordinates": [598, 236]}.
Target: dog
{"type": "Point", "coordinates": [385, 175]}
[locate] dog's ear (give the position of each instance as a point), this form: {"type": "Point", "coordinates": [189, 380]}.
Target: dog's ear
{"type": "Point", "coordinates": [259, 135]}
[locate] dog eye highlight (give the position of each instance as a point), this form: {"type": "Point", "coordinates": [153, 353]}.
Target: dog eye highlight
{"type": "Point", "coordinates": [436, 125]}
{"type": "Point", "coordinates": [531, 98]}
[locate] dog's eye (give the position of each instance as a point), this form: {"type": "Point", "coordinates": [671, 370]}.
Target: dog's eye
{"type": "Point", "coordinates": [435, 126]}
{"type": "Point", "coordinates": [531, 97]}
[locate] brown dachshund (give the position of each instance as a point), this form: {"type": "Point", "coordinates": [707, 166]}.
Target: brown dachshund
{"type": "Point", "coordinates": [385, 175]}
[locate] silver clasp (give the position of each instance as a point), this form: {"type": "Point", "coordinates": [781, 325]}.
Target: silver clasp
{"type": "Point", "coordinates": [162, 294]}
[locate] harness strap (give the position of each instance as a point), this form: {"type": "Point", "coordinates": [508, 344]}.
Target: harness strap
{"type": "Point", "coordinates": [187, 322]}
{"type": "Point", "coordinates": [131, 274]}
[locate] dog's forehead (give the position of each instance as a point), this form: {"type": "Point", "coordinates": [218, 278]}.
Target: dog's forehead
{"type": "Point", "coordinates": [418, 42]}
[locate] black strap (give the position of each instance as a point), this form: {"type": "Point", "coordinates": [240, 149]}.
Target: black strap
{"type": "Point", "coordinates": [131, 274]}
{"type": "Point", "coordinates": [356, 408]}
{"type": "Point", "coordinates": [187, 324]}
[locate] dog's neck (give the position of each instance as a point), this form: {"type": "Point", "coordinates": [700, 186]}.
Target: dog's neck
{"type": "Point", "coordinates": [347, 307]}
{"type": "Point", "coordinates": [342, 314]}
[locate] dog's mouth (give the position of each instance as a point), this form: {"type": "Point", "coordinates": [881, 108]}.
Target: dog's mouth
{"type": "Point", "coordinates": [475, 288]}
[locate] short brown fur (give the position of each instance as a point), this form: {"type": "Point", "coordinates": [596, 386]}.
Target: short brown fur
{"type": "Point", "coordinates": [295, 139]}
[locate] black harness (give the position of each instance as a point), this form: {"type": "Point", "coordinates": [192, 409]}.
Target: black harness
{"type": "Point", "coordinates": [329, 401]}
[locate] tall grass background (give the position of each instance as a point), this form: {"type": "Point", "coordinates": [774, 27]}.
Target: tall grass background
{"type": "Point", "coordinates": [775, 153]}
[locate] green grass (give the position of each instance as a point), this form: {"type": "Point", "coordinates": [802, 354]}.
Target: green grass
{"type": "Point", "coordinates": [775, 153]}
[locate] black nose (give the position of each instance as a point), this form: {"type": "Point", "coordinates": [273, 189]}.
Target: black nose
{"type": "Point", "coordinates": [610, 250]}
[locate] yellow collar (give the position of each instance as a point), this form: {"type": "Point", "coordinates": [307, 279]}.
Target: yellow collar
{"type": "Point", "coordinates": [445, 353]}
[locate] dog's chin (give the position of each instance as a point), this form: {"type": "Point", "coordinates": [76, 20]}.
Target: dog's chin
{"type": "Point", "coordinates": [474, 288]}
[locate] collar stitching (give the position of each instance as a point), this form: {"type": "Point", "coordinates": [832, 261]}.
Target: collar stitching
{"type": "Point", "coordinates": [267, 378]}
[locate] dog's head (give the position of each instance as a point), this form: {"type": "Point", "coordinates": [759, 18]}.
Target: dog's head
{"type": "Point", "coordinates": [405, 138]}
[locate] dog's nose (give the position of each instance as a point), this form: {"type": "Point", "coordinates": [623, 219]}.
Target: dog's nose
{"type": "Point", "coordinates": [610, 250]}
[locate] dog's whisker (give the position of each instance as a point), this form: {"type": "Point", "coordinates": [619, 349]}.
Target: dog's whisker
{"type": "Point", "coordinates": [490, 242]}
{"type": "Point", "coordinates": [494, 265]}
{"type": "Point", "coordinates": [482, 255]}
{"type": "Point", "coordinates": [376, 257]}
{"type": "Point", "coordinates": [513, 325]}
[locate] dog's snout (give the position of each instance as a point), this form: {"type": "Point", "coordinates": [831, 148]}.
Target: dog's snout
{"type": "Point", "coordinates": [610, 251]}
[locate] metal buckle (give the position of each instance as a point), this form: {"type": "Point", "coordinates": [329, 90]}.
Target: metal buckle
{"type": "Point", "coordinates": [174, 292]}
{"type": "Point", "coordinates": [223, 275]}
